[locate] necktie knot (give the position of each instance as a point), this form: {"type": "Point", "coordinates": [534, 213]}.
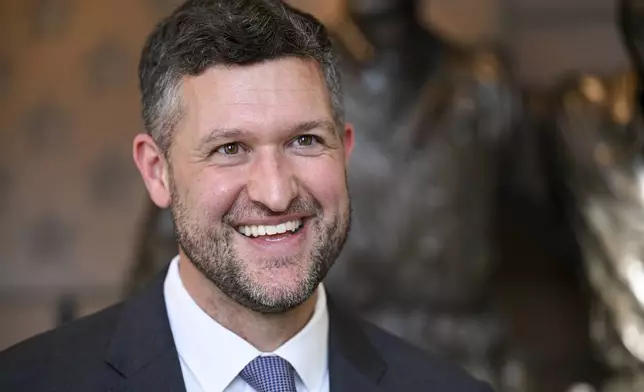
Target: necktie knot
{"type": "Point", "coordinates": [269, 374]}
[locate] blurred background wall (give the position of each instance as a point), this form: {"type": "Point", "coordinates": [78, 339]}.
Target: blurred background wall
{"type": "Point", "coordinates": [71, 199]}
{"type": "Point", "coordinates": [71, 202]}
{"type": "Point", "coordinates": [544, 38]}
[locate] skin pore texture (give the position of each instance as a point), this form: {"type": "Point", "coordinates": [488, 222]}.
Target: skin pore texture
{"type": "Point", "coordinates": [256, 150]}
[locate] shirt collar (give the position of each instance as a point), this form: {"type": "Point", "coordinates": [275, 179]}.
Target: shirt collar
{"type": "Point", "coordinates": [307, 351]}
{"type": "Point", "coordinates": [216, 355]}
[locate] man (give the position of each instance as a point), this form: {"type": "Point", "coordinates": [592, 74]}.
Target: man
{"type": "Point", "coordinates": [433, 120]}
{"type": "Point", "coordinates": [247, 146]}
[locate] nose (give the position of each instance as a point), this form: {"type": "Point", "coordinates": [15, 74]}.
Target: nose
{"type": "Point", "coordinates": [271, 181]}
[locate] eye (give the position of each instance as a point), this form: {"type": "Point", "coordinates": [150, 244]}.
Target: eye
{"type": "Point", "coordinates": [228, 149]}
{"type": "Point", "coordinates": [306, 140]}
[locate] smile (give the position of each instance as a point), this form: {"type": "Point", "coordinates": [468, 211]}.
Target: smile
{"type": "Point", "coordinates": [266, 230]}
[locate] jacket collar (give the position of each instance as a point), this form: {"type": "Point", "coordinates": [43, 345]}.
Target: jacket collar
{"type": "Point", "coordinates": [142, 348]}
{"type": "Point", "coordinates": [354, 364]}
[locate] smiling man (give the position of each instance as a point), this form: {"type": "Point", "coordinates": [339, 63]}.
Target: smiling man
{"type": "Point", "coordinates": [255, 176]}
{"type": "Point", "coordinates": [246, 144]}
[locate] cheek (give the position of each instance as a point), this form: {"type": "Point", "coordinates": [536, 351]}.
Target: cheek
{"type": "Point", "coordinates": [212, 192]}
{"type": "Point", "coordinates": [325, 179]}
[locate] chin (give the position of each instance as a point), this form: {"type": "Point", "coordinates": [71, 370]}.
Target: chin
{"type": "Point", "coordinates": [274, 302]}
{"type": "Point", "coordinates": [278, 291]}
{"type": "Point", "coordinates": [282, 284]}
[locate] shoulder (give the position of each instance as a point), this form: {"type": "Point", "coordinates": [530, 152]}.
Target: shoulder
{"type": "Point", "coordinates": [72, 349]}
{"type": "Point", "coordinates": [410, 368]}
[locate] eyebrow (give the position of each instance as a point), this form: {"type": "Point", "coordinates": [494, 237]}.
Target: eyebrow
{"type": "Point", "coordinates": [235, 133]}
{"type": "Point", "coordinates": [310, 125]}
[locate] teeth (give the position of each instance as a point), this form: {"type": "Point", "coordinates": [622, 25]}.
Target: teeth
{"type": "Point", "coordinates": [261, 230]}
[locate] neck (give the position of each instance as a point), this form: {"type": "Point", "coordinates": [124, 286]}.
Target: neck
{"type": "Point", "coordinates": [266, 332]}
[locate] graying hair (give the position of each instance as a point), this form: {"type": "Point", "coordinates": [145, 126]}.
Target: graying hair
{"type": "Point", "coordinates": [204, 33]}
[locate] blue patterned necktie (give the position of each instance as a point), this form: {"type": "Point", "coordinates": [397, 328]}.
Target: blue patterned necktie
{"type": "Point", "coordinates": [269, 374]}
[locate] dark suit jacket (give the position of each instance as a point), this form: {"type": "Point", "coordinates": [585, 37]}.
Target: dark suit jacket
{"type": "Point", "coordinates": [129, 347]}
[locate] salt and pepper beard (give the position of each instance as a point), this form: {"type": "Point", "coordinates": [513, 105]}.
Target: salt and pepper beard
{"type": "Point", "coordinates": [213, 253]}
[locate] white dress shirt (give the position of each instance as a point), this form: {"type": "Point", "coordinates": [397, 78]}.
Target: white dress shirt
{"type": "Point", "coordinates": [212, 356]}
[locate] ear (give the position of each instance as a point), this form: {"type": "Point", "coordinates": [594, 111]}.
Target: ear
{"type": "Point", "coordinates": [348, 141]}
{"type": "Point", "coordinates": [154, 169]}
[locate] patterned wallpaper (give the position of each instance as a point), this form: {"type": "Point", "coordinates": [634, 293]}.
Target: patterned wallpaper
{"type": "Point", "coordinates": [71, 200]}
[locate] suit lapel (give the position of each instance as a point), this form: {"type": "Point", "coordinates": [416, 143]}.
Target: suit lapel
{"type": "Point", "coordinates": [142, 348]}
{"type": "Point", "coordinates": [354, 364]}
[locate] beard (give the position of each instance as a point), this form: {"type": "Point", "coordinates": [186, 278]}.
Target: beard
{"type": "Point", "coordinates": [210, 248]}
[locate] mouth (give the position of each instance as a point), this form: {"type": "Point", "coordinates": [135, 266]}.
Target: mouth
{"type": "Point", "coordinates": [288, 227]}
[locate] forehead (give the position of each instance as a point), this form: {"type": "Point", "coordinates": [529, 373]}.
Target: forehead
{"type": "Point", "coordinates": [273, 93]}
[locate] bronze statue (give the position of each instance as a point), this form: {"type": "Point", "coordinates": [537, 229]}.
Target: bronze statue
{"type": "Point", "coordinates": [431, 122]}
{"type": "Point", "coordinates": [601, 139]}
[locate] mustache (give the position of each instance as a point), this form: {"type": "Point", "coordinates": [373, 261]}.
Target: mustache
{"type": "Point", "coordinates": [252, 209]}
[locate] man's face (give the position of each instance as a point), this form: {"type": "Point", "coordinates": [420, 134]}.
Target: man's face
{"type": "Point", "coordinates": [258, 181]}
